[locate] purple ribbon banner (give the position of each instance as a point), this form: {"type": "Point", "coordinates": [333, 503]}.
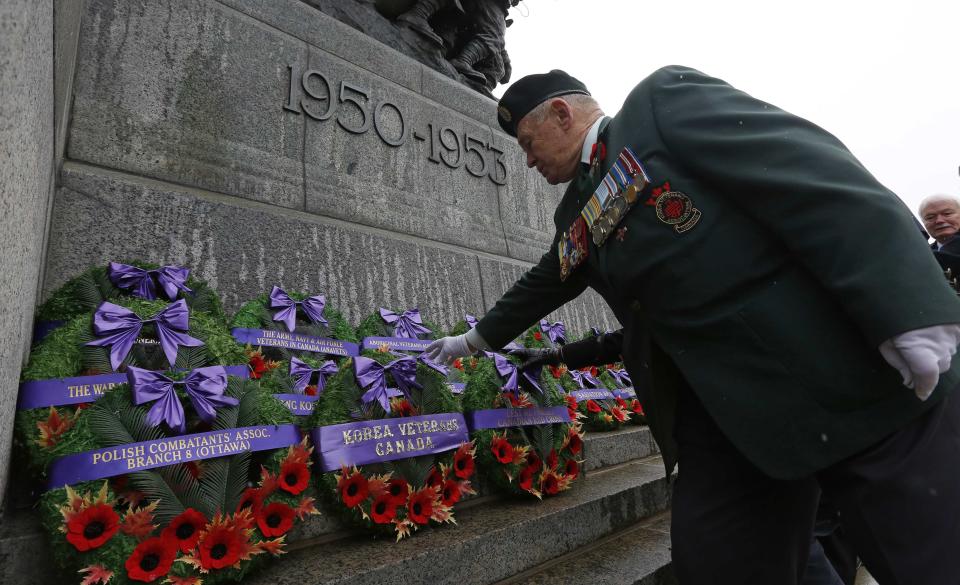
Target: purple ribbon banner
{"type": "Point", "coordinates": [396, 343]}
{"type": "Point", "coordinates": [500, 418]}
{"type": "Point", "coordinates": [625, 393]}
{"type": "Point", "coordinates": [298, 404]}
{"type": "Point", "coordinates": [593, 394]}
{"type": "Point", "coordinates": [266, 338]}
{"type": "Point", "coordinates": [456, 387]}
{"type": "Point", "coordinates": [82, 389]}
{"type": "Point", "coordinates": [112, 461]}
{"type": "Point", "coordinates": [388, 439]}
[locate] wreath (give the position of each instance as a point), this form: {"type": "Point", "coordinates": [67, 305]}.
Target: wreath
{"type": "Point", "coordinates": [526, 442]}
{"type": "Point", "coordinates": [392, 444]}
{"type": "Point", "coordinates": [589, 399]}
{"type": "Point", "coordinates": [84, 293]}
{"type": "Point", "coordinates": [617, 380]}
{"type": "Point", "coordinates": [284, 367]}
{"type": "Point", "coordinates": [405, 331]}
{"type": "Point", "coordinates": [545, 335]}
{"type": "Point", "coordinates": [185, 474]}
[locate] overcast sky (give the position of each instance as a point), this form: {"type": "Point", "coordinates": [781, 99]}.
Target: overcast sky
{"type": "Point", "coordinates": [882, 76]}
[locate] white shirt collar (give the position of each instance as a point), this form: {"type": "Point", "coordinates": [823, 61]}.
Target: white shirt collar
{"type": "Point", "coordinates": [590, 140]}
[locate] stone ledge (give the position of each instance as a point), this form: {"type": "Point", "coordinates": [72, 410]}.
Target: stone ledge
{"type": "Point", "coordinates": [639, 555]}
{"type": "Point", "coordinates": [615, 447]}
{"type": "Point", "coordinates": [518, 534]}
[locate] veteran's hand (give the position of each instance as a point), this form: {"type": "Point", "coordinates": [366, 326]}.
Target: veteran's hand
{"type": "Point", "coordinates": [922, 355]}
{"type": "Point", "coordinates": [447, 349]}
{"type": "Point", "coordinates": [536, 357]}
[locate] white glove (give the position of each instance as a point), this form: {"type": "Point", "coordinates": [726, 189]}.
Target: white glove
{"type": "Point", "coordinates": [447, 349]}
{"type": "Point", "coordinates": [922, 355]}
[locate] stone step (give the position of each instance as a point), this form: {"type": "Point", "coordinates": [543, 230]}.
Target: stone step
{"type": "Point", "coordinates": [494, 540]}
{"type": "Point", "coordinates": [638, 555]}
{"type": "Point", "coordinates": [21, 536]}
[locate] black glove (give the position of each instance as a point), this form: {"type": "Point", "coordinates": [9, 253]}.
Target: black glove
{"type": "Point", "coordinates": [537, 357]}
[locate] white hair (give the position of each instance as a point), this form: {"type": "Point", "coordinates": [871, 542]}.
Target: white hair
{"type": "Point", "coordinates": [577, 101]}
{"type": "Point", "coordinates": [938, 197]}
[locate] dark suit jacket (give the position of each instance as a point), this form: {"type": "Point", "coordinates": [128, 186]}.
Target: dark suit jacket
{"type": "Point", "coordinates": [772, 307]}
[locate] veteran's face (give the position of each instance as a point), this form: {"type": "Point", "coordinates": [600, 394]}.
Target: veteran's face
{"type": "Point", "coordinates": [550, 144]}
{"type": "Point", "coordinates": [941, 218]}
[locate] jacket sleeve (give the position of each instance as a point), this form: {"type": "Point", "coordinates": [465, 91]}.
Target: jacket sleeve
{"type": "Point", "coordinates": [538, 292]}
{"type": "Point", "coordinates": [593, 351]}
{"type": "Point", "coordinates": [804, 186]}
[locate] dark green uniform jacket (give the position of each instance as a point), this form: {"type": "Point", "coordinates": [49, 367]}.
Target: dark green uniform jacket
{"type": "Point", "coordinates": [773, 305]}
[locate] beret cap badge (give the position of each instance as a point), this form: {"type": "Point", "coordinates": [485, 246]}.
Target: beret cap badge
{"type": "Point", "coordinates": [504, 114]}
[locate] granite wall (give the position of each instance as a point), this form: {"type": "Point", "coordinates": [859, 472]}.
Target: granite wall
{"type": "Point", "coordinates": [262, 142]}
{"type": "Point", "coordinates": [26, 172]}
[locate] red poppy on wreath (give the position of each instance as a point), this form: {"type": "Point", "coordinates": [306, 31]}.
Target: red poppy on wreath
{"type": "Point", "coordinates": [549, 483]}
{"type": "Point", "coordinates": [533, 460]}
{"type": "Point", "coordinates": [502, 449]}
{"type": "Point", "coordinates": [353, 489]}
{"type": "Point", "coordinates": [222, 545]}
{"type": "Point", "coordinates": [252, 499]}
{"type": "Point", "coordinates": [151, 559]}
{"type": "Point", "coordinates": [435, 479]}
{"type": "Point", "coordinates": [294, 477]}
{"type": "Point", "coordinates": [185, 529]}
{"type": "Point", "coordinates": [525, 479]}
{"type": "Point", "coordinates": [571, 469]}
{"type": "Point", "coordinates": [593, 406]}
{"type": "Point", "coordinates": [636, 407]}
{"type": "Point", "coordinates": [552, 459]}
{"type": "Point", "coordinates": [401, 407]}
{"type": "Point", "coordinates": [458, 363]}
{"type": "Point", "coordinates": [92, 526]}
{"type": "Point", "coordinates": [451, 492]}
{"type": "Point", "coordinates": [558, 371]}
{"type": "Point", "coordinates": [420, 505]}
{"type": "Point", "coordinates": [574, 442]}
{"type": "Point", "coordinates": [384, 509]}
{"type": "Point", "coordinates": [310, 390]}
{"type": "Point", "coordinates": [538, 336]}
{"type": "Point", "coordinates": [275, 519]}
{"type": "Point", "coordinates": [621, 402]}
{"type": "Point", "coordinates": [463, 461]}
{"type": "Point", "coordinates": [398, 490]}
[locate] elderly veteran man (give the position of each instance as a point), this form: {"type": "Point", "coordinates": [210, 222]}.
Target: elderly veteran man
{"type": "Point", "coordinates": [941, 218]}
{"type": "Point", "coordinates": [796, 333]}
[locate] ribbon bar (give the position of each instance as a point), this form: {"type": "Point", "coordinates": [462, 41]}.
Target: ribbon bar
{"type": "Point", "coordinates": [111, 461]}
{"type": "Point", "coordinates": [266, 338]}
{"type": "Point", "coordinates": [499, 418]}
{"type": "Point", "coordinates": [625, 393]}
{"type": "Point", "coordinates": [593, 394]}
{"type": "Point", "coordinates": [81, 389]}
{"type": "Point", "coordinates": [396, 343]}
{"type": "Point", "coordinates": [389, 439]}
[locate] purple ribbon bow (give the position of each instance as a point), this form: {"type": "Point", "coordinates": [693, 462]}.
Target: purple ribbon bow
{"type": "Point", "coordinates": [556, 332]}
{"type": "Point", "coordinates": [471, 321]}
{"type": "Point", "coordinates": [584, 378]}
{"type": "Point", "coordinates": [595, 331]}
{"type": "Point", "coordinates": [121, 327]}
{"type": "Point", "coordinates": [204, 386]}
{"type": "Point", "coordinates": [407, 325]}
{"type": "Point", "coordinates": [509, 372]}
{"type": "Point", "coordinates": [312, 306]}
{"type": "Point", "coordinates": [622, 378]}
{"type": "Point", "coordinates": [140, 282]}
{"type": "Point", "coordinates": [372, 377]}
{"type": "Point", "coordinates": [302, 372]}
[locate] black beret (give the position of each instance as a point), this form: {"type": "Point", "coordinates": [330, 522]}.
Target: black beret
{"type": "Point", "coordinates": [529, 92]}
